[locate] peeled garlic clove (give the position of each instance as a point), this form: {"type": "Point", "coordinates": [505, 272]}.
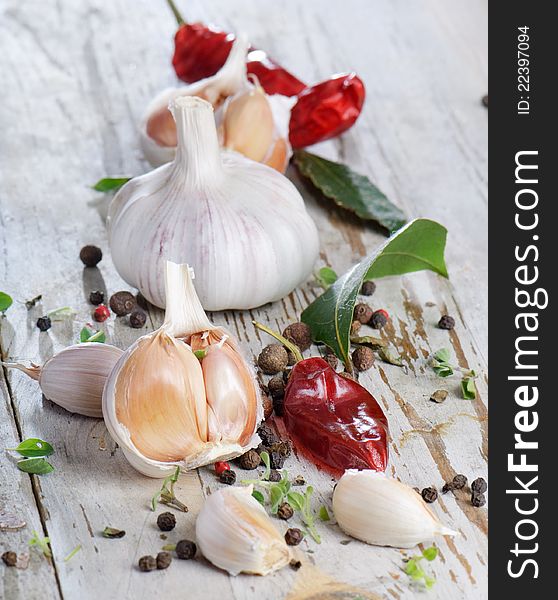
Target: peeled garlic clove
{"type": "Point", "coordinates": [75, 377]}
{"type": "Point", "coordinates": [234, 532]}
{"type": "Point", "coordinates": [166, 407]}
{"type": "Point", "coordinates": [158, 134]}
{"type": "Point", "coordinates": [383, 511]}
{"type": "Point", "coordinates": [242, 226]}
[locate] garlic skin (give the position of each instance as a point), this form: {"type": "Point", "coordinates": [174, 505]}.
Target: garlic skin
{"type": "Point", "coordinates": [166, 407]}
{"type": "Point", "coordinates": [242, 226]}
{"type": "Point", "coordinates": [382, 511]}
{"type": "Point", "coordinates": [158, 136]}
{"type": "Point", "coordinates": [234, 532]}
{"type": "Point", "coordinates": [75, 377]}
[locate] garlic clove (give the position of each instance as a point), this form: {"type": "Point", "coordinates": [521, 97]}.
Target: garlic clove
{"type": "Point", "coordinates": [155, 402]}
{"type": "Point", "coordinates": [234, 532]}
{"type": "Point", "coordinates": [74, 378]}
{"type": "Point", "coordinates": [383, 511]}
{"type": "Point", "coordinates": [278, 157]}
{"type": "Point", "coordinates": [158, 135]}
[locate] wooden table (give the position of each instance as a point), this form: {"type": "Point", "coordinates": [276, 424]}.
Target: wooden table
{"type": "Point", "coordinates": [76, 77]}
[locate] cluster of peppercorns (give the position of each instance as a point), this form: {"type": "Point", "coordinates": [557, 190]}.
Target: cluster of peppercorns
{"type": "Point", "coordinates": [225, 473]}
{"type": "Point", "coordinates": [459, 482]}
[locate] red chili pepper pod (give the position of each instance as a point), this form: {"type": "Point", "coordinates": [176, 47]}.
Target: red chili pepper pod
{"type": "Point", "coordinates": [200, 51]}
{"type": "Point", "coordinates": [334, 420]}
{"type": "Point", "coordinates": [326, 110]}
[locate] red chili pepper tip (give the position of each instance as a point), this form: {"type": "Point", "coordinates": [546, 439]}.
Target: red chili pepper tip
{"type": "Point", "coordinates": [221, 466]}
{"type": "Point", "coordinates": [101, 313]}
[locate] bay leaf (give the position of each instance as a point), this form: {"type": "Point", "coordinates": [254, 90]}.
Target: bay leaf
{"type": "Point", "coordinates": [350, 190]}
{"type": "Point", "coordinates": [416, 247]}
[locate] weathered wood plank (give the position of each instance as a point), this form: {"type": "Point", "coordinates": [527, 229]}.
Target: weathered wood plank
{"type": "Point", "coordinates": [79, 79]}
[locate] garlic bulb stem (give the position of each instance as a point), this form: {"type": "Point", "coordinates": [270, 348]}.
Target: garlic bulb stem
{"type": "Point", "coordinates": [33, 371]}
{"type": "Point", "coordinates": [184, 313]}
{"type": "Point", "coordinates": [198, 145]}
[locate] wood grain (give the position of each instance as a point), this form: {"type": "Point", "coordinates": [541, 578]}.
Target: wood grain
{"type": "Point", "coordinates": [77, 76]}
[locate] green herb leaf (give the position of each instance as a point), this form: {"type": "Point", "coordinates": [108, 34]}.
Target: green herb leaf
{"type": "Point", "coordinates": [41, 542]}
{"type": "Point", "coordinates": [5, 301]}
{"type": "Point", "coordinates": [259, 497]}
{"type": "Point", "coordinates": [326, 276]}
{"type": "Point", "coordinates": [442, 355]}
{"type": "Point", "coordinates": [166, 494]}
{"type": "Point", "coordinates": [468, 388]}
{"type": "Point", "coordinates": [368, 340]}
{"type": "Point", "coordinates": [267, 462]}
{"type": "Point", "coordinates": [33, 447]}
{"type": "Point", "coordinates": [87, 335]}
{"type": "Point", "coordinates": [60, 314]}
{"type": "Point", "coordinates": [35, 466]}
{"type": "Point", "coordinates": [443, 371]}
{"type": "Point", "coordinates": [276, 496]}
{"type": "Point", "coordinates": [73, 553]}
{"type": "Point", "coordinates": [430, 553]}
{"type": "Point", "coordinates": [169, 547]}
{"type": "Point", "coordinates": [349, 190]}
{"type": "Point", "coordinates": [324, 514]}
{"type": "Point", "coordinates": [387, 355]}
{"type": "Point", "coordinates": [296, 500]}
{"type": "Point", "coordinates": [112, 533]}
{"type": "Point", "coordinates": [109, 184]}
{"type": "Point", "coordinates": [416, 247]}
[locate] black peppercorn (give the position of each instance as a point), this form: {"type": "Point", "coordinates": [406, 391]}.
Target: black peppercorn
{"type": "Point", "coordinates": [44, 323]}
{"type": "Point", "coordinates": [362, 313]}
{"type": "Point", "coordinates": [164, 560]}
{"type": "Point", "coordinates": [96, 298]}
{"type": "Point", "coordinates": [285, 511]}
{"type": "Point", "coordinates": [363, 358]}
{"type": "Point", "coordinates": [284, 448]}
{"type": "Point", "coordinates": [378, 319]}
{"type": "Point", "coordinates": [267, 435]}
{"type": "Point", "coordinates": [274, 476]}
{"type": "Point", "coordinates": [272, 359]}
{"type": "Point", "coordinates": [368, 288]}
{"type": "Point", "coordinates": [299, 480]}
{"type": "Point", "coordinates": [485, 101]}
{"type": "Point", "coordinates": [459, 481]}
{"type": "Point", "coordinates": [478, 500]}
{"type": "Point", "coordinates": [293, 536]}
{"type": "Point", "coordinates": [479, 486]}
{"type": "Point", "coordinates": [276, 386]}
{"type": "Point", "coordinates": [279, 406]}
{"type": "Point", "coordinates": [276, 460]}
{"type": "Point", "coordinates": [141, 301]}
{"type": "Point", "coordinates": [138, 319]}
{"type": "Point", "coordinates": [429, 494]}
{"type": "Point", "coordinates": [267, 404]}
{"type": "Point", "coordinates": [90, 256]}
{"type": "Point", "coordinates": [446, 322]}
{"type": "Point", "coordinates": [166, 521]}
{"type": "Point", "coordinates": [295, 564]}
{"type": "Point", "coordinates": [122, 303]}
{"type": "Point", "coordinates": [9, 558]}
{"type": "Point", "coordinates": [299, 334]}
{"type": "Point", "coordinates": [185, 549]}
{"type": "Point", "coordinates": [249, 460]}
{"type": "Point", "coordinates": [147, 563]}
{"type": "Point", "coordinates": [228, 477]}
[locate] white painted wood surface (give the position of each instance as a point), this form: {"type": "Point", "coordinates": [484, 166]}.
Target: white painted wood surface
{"type": "Point", "coordinates": [76, 77]}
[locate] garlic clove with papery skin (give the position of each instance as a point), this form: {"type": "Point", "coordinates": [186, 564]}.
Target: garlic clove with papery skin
{"type": "Point", "coordinates": [382, 511]}
{"type": "Point", "coordinates": [234, 532]}
{"type": "Point", "coordinates": [242, 226]}
{"type": "Point", "coordinates": [74, 378]}
{"type": "Point", "coordinates": [165, 407]}
{"type": "Point", "coordinates": [158, 135]}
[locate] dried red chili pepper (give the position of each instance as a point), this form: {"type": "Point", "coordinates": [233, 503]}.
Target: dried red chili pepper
{"type": "Point", "coordinates": [326, 110]}
{"type": "Point", "coordinates": [334, 420]}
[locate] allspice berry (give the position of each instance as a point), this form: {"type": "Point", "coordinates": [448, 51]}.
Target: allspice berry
{"type": "Point", "coordinates": [164, 560]}
{"type": "Point", "coordinates": [137, 319]}
{"type": "Point", "coordinates": [249, 460]}
{"type": "Point", "coordinates": [368, 288]}
{"type": "Point", "coordinates": [185, 549]}
{"type": "Point", "coordinates": [293, 536]}
{"type": "Point", "coordinates": [166, 521]}
{"type": "Point", "coordinates": [122, 303]}
{"type": "Point", "coordinates": [299, 334]}
{"type": "Point", "coordinates": [446, 322]}
{"type": "Point", "coordinates": [362, 313]}
{"type": "Point", "coordinates": [285, 511]}
{"type": "Point", "coordinates": [363, 358]}
{"type": "Point", "coordinates": [90, 256]}
{"type": "Point", "coordinates": [272, 359]}
{"type": "Point", "coordinates": [147, 563]}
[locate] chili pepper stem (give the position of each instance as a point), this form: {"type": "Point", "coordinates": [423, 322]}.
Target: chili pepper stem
{"type": "Point", "coordinates": [176, 12]}
{"type": "Point", "coordinates": [289, 345]}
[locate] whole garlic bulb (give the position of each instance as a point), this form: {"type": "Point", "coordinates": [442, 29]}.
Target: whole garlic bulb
{"type": "Point", "coordinates": [242, 226]}
{"type": "Point", "coordinates": [158, 134]}
{"type": "Point", "coordinates": [183, 395]}
{"type": "Point", "coordinates": [383, 511]}
{"type": "Point", "coordinates": [75, 377]}
{"type": "Point", "coordinates": [235, 533]}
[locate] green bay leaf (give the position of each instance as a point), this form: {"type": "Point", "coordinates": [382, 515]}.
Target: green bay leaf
{"type": "Point", "coordinates": [33, 447]}
{"type": "Point", "coordinates": [350, 190]}
{"type": "Point", "coordinates": [36, 466]}
{"type": "Point", "coordinates": [416, 247]}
